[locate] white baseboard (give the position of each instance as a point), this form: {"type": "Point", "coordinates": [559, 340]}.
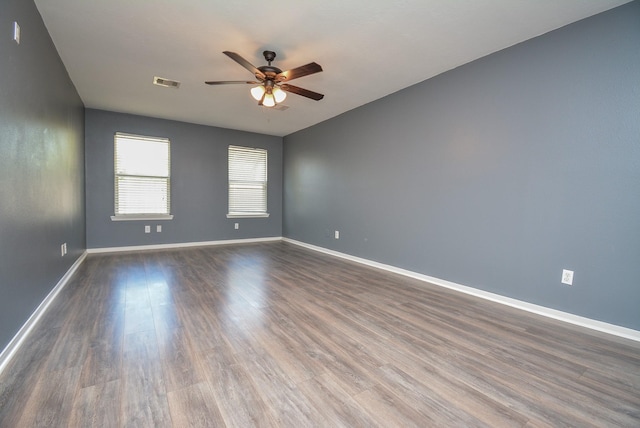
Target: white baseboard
{"type": "Point", "coordinates": [13, 346]}
{"type": "Point", "coordinates": [181, 245]}
{"type": "Point", "coordinates": [604, 327]}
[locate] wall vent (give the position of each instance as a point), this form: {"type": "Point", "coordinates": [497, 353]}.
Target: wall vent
{"type": "Point", "coordinates": [167, 83]}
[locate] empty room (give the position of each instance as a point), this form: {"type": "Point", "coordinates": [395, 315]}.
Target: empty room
{"type": "Point", "coordinates": [422, 213]}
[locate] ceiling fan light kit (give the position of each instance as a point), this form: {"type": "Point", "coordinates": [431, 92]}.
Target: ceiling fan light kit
{"type": "Point", "coordinates": [279, 94]}
{"type": "Point", "coordinates": [268, 100]}
{"type": "Point", "coordinates": [268, 94]}
{"type": "Point", "coordinates": [271, 90]}
{"type": "Point", "coordinates": [258, 92]}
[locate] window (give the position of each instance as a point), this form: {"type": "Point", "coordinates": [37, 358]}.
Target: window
{"type": "Point", "coordinates": [247, 182]}
{"type": "Point", "coordinates": [142, 179]}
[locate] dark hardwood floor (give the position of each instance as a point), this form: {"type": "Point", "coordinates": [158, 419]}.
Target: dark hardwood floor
{"type": "Point", "coordinates": [276, 335]}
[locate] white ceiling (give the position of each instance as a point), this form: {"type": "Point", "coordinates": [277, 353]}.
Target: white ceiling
{"type": "Point", "coordinates": [112, 49]}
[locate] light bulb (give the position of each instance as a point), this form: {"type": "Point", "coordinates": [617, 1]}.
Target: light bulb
{"type": "Point", "coordinates": [257, 92]}
{"type": "Point", "coordinates": [279, 94]}
{"type": "Point", "coordinates": [268, 100]}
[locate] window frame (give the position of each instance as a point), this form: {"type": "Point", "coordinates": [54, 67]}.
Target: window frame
{"type": "Point", "coordinates": [140, 216]}
{"type": "Point", "coordinates": [264, 183]}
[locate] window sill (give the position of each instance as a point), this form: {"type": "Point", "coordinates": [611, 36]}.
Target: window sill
{"type": "Point", "coordinates": [247, 215]}
{"type": "Point", "coordinates": [134, 217]}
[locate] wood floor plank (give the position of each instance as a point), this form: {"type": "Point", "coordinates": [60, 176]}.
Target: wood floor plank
{"type": "Point", "coordinates": [144, 397]}
{"type": "Point", "coordinates": [203, 323]}
{"type": "Point", "coordinates": [444, 381]}
{"type": "Point", "coordinates": [428, 403]}
{"type": "Point", "coordinates": [338, 408]}
{"type": "Point", "coordinates": [103, 362]}
{"type": "Point", "coordinates": [180, 360]}
{"type": "Point", "coordinates": [97, 406]}
{"type": "Point", "coordinates": [22, 374]}
{"type": "Point", "coordinates": [340, 355]}
{"type": "Point", "coordinates": [51, 402]}
{"type": "Point", "coordinates": [611, 386]}
{"type": "Point", "coordinates": [238, 397]}
{"type": "Point", "coordinates": [279, 392]}
{"type": "Point", "coordinates": [533, 395]}
{"type": "Point", "coordinates": [194, 406]}
{"type": "Point", "coordinates": [312, 357]}
{"type": "Point", "coordinates": [389, 410]}
{"type": "Point", "coordinates": [274, 335]}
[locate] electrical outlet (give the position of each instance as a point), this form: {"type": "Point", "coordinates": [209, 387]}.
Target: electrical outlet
{"type": "Point", "coordinates": [158, 228]}
{"type": "Point", "coordinates": [336, 234]}
{"type": "Point", "coordinates": [16, 32]}
{"type": "Point", "coordinates": [567, 277]}
{"type": "Point", "coordinates": [236, 226]}
{"type": "Point", "coordinates": [147, 229]}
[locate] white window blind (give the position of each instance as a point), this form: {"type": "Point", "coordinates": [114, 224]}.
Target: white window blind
{"type": "Point", "coordinates": [142, 178]}
{"type": "Point", "coordinates": [247, 181]}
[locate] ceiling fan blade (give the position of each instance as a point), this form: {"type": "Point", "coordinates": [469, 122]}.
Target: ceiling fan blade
{"type": "Point", "coordinates": [231, 82]}
{"type": "Point", "coordinates": [301, 91]}
{"type": "Point", "coordinates": [294, 73]}
{"type": "Point", "coordinates": [246, 64]}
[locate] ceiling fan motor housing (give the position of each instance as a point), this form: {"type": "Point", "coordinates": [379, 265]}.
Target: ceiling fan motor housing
{"type": "Point", "coordinates": [269, 56]}
{"type": "Point", "coordinates": [269, 71]}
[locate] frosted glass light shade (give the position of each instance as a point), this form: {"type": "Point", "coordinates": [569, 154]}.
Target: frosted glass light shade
{"type": "Point", "coordinates": [268, 101]}
{"type": "Point", "coordinates": [279, 94]}
{"type": "Point", "coordinates": [257, 92]}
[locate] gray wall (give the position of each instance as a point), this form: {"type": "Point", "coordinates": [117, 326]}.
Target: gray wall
{"type": "Point", "coordinates": [198, 183]}
{"type": "Point", "coordinates": [495, 175]}
{"type": "Point", "coordinates": [41, 167]}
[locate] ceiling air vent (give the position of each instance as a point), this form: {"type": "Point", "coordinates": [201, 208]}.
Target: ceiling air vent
{"type": "Point", "coordinates": [167, 83]}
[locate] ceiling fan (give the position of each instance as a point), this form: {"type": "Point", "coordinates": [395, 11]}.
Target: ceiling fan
{"type": "Point", "coordinates": [272, 86]}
